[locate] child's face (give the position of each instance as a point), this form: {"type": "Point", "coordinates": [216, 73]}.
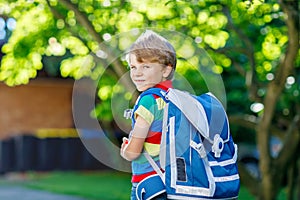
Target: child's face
{"type": "Point", "coordinates": [145, 74]}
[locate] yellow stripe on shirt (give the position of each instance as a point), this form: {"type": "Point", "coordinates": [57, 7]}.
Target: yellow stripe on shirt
{"type": "Point", "coordinates": [144, 113]}
{"type": "Point", "coordinates": [152, 149]}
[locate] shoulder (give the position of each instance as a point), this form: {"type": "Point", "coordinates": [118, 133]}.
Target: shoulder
{"type": "Point", "coordinates": [147, 100]}
{"type": "Point", "coordinates": [145, 108]}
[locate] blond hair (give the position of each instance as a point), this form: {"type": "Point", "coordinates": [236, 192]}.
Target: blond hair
{"type": "Point", "coordinates": [151, 47]}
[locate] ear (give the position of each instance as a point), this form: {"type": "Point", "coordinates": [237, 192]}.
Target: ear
{"type": "Point", "coordinates": [167, 71]}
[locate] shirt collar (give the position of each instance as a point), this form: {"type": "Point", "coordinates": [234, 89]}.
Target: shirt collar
{"type": "Point", "coordinates": [165, 85]}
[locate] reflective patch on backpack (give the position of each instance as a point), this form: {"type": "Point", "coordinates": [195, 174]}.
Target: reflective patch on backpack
{"type": "Point", "coordinates": [181, 169]}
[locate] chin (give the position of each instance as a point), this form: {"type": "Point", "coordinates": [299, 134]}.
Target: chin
{"type": "Point", "coordinates": [142, 89]}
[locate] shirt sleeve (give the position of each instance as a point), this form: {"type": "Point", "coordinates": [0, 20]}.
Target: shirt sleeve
{"type": "Point", "coordinates": [146, 108]}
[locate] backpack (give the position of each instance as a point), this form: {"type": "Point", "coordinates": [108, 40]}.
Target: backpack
{"type": "Point", "coordinates": [198, 157]}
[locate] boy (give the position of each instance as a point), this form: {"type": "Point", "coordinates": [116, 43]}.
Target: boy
{"type": "Point", "coordinates": [152, 61]}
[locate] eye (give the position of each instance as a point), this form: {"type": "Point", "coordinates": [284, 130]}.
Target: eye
{"type": "Point", "coordinates": [132, 67]}
{"type": "Point", "coordinates": [146, 66]}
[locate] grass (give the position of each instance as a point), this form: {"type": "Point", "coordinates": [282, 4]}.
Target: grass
{"type": "Point", "coordinates": [108, 185]}
{"type": "Point", "coordinates": [96, 185]}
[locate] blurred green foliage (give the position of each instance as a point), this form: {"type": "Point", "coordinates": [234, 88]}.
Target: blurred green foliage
{"type": "Point", "coordinates": [245, 40]}
{"type": "Point", "coordinates": [235, 46]}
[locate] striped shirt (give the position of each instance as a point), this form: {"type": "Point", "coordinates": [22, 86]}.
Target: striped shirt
{"type": "Point", "coordinates": [150, 107]}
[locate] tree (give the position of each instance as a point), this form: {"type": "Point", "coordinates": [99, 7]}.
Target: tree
{"type": "Point", "coordinates": [254, 44]}
{"type": "Point", "coordinates": [274, 90]}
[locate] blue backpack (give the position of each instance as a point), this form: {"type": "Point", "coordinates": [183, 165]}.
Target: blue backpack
{"type": "Point", "coordinates": [198, 158]}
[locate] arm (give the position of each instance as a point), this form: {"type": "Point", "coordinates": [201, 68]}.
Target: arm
{"type": "Point", "coordinates": [131, 149]}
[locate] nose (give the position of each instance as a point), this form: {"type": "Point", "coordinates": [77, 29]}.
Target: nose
{"type": "Point", "coordinates": [138, 71]}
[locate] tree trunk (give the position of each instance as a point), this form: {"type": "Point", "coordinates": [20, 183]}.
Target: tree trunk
{"type": "Point", "coordinates": [298, 180]}
{"type": "Point", "coordinates": [291, 181]}
{"type": "Point", "coordinates": [270, 181]}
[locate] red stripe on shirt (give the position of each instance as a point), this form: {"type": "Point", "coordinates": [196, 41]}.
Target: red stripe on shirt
{"type": "Point", "coordinates": [154, 137]}
{"type": "Point", "coordinates": [139, 178]}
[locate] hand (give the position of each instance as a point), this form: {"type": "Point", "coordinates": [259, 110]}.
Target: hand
{"type": "Point", "coordinates": [132, 148]}
{"type": "Point", "coordinates": [123, 146]}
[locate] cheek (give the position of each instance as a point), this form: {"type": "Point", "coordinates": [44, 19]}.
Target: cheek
{"type": "Point", "coordinates": [131, 74]}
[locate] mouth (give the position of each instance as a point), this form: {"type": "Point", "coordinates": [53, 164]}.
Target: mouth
{"type": "Point", "coordinates": [139, 81]}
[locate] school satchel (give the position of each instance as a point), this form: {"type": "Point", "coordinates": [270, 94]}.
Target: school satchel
{"type": "Point", "coordinates": [198, 157]}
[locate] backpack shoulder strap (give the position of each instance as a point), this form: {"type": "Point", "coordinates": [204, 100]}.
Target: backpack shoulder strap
{"type": "Point", "coordinates": [128, 113]}
{"type": "Point", "coordinates": [157, 91]}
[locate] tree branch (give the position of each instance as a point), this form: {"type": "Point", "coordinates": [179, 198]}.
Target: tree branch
{"type": "Point", "coordinates": [112, 58]}
{"type": "Point", "coordinates": [251, 122]}
{"type": "Point", "coordinates": [290, 144]}
{"type": "Point", "coordinates": [274, 90]}
{"type": "Point", "coordinates": [292, 22]}
{"type": "Point", "coordinates": [251, 82]}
